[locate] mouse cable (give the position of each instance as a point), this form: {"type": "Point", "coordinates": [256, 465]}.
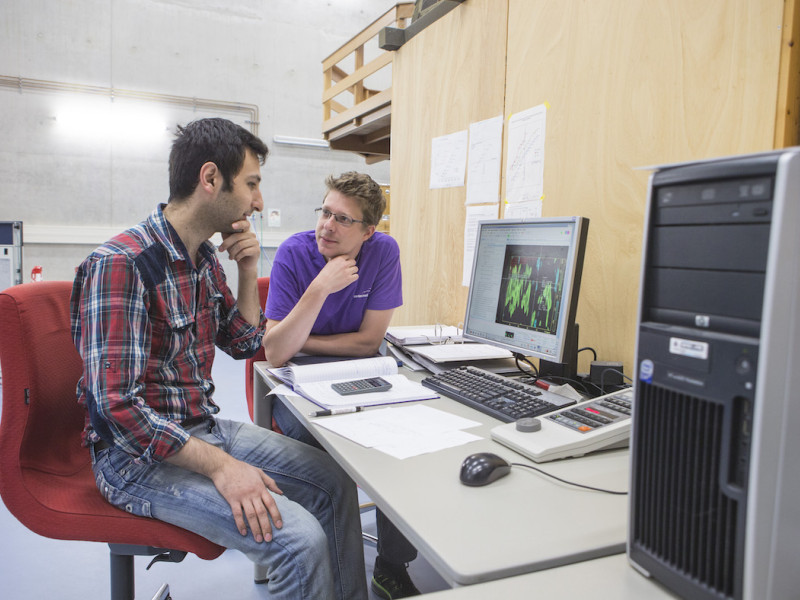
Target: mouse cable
{"type": "Point", "coordinates": [580, 485]}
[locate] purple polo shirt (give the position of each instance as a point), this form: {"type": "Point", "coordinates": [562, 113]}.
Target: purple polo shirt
{"type": "Point", "coordinates": [378, 287]}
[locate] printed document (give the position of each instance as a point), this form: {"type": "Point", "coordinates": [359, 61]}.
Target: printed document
{"type": "Point", "coordinates": [483, 163]}
{"type": "Point", "coordinates": [525, 167]}
{"type": "Point", "coordinates": [448, 160]}
{"type": "Point", "coordinates": [402, 432]}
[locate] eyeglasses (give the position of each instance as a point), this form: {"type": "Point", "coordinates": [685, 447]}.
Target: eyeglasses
{"type": "Point", "coordinates": [324, 214]}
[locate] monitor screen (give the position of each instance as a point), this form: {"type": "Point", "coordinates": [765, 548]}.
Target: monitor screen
{"type": "Point", "coordinates": [525, 282]}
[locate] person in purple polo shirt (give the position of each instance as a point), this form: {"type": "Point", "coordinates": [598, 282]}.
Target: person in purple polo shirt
{"type": "Point", "coordinates": [332, 292]}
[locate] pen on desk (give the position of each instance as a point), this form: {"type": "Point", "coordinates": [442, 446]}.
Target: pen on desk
{"type": "Point", "coordinates": [336, 411]}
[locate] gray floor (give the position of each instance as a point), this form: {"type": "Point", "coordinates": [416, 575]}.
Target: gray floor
{"type": "Point", "coordinates": [32, 566]}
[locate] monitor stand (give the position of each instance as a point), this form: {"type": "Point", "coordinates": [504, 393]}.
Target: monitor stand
{"type": "Point", "coordinates": [567, 369]}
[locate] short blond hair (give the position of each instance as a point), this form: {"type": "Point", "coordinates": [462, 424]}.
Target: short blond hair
{"type": "Point", "coordinates": [362, 188]}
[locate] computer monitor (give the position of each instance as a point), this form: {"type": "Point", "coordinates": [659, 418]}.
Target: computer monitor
{"type": "Point", "coordinates": [523, 295]}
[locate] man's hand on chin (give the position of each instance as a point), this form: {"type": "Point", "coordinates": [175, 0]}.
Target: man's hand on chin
{"type": "Point", "coordinates": [242, 245]}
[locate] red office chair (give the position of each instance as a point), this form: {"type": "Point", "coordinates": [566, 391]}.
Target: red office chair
{"type": "Point", "coordinates": [46, 479]}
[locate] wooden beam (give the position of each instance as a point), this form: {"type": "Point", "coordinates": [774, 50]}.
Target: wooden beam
{"type": "Point", "coordinates": [358, 75]}
{"type": "Point", "coordinates": [371, 159]}
{"type": "Point", "coordinates": [356, 144]}
{"type": "Point", "coordinates": [326, 83]}
{"type": "Point", "coordinates": [381, 116]}
{"type": "Point", "coordinates": [377, 101]}
{"type": "Point", "coordinates": [388, 18]}
{"type": "Point", "coordinates": [378, 134]}
{"type": "Point", "coordinates": [336, 107]}
{"type": "Point", "coordinates": [337, 74]}
{"type": "Point", "coordinates": [787, 111]}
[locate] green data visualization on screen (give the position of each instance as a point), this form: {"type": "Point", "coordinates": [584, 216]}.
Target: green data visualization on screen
{"type": "Point", "coordinates": [532, 287]}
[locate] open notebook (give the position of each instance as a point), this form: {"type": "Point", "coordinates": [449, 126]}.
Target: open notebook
{"type": "Point", "coordinates": [313, 382]}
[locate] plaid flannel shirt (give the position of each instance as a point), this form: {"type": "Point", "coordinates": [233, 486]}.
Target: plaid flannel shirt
{"type": "Point", "coordinates": [145, 321]}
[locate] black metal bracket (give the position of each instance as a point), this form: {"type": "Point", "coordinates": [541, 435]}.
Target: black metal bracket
{"type": "Point", "coordinates": [392, 38]}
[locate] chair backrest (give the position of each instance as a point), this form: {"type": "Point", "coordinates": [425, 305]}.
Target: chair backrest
{"type": "Point", "coordinates": [263, 291]}
{"type": "Point", "coordinates": [46, 478]}
{"type": "Point", "coordinates": [41, 422]}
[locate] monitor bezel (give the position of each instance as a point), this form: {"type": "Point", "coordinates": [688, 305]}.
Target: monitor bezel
{"type": "Point", "coordinates": [572, 293]}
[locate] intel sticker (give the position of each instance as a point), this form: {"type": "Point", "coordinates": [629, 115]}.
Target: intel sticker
{"type": "Point", "coordinates": [690, 348]}
{"type": "Point", "coordinates": [646, 371]}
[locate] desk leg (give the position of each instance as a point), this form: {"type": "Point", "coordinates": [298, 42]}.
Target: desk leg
{"type": "Point", "coordinates": [262, 416]}
{"type": "Point", "coordinates": [262, 404]}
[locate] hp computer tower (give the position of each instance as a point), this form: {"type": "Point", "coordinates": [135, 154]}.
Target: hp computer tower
{"type": "Point", "coordinates": [715, 448]}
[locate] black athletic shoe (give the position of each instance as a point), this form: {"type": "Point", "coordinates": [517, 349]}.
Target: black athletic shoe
{"type": "Point", "coordinates": [392, 584]}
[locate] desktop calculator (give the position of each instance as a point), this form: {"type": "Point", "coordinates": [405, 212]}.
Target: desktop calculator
{"type": "Point", "coordinates": [361, 386]}
{"type": "Point", "coordinates": [597, 424]}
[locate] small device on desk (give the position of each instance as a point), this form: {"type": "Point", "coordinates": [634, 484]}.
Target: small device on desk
{"type": "Point", "coordinates": [500, 397]}
{"type": "Point", "coordinates": [362, 386]}
{"type": "Point", "coordinates": [598, 424]}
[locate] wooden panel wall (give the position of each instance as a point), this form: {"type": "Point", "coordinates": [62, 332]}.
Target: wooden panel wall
{"type": "Point", "coordinates": [629, 84]}
{"type": "Point", "coordinates": [632, 84]}
{"type": "Point", "coordinates": [444, 78]}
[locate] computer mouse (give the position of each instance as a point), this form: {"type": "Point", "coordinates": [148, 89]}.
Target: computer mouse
{"type": "Point", "coordinates": [483, 468]}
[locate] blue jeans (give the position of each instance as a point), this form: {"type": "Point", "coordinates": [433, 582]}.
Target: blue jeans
{"type": "Point", "coordinates": [318, 553]}
{"type": "Point", "coordinates": [393, 546]}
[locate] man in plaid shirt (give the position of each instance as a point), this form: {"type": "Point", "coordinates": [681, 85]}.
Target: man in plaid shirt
{"type": "Point", "coordinates": [148, 307]}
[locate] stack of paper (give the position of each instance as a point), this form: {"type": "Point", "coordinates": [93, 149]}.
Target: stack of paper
{"type": "Point", "coordinates": [402, 432]}
{"type": "Point", "coordinates": [436, 348]}
{"type": "Point", "coordinates": [460, 352]}
{"type": "Point", "coordinates": [423, 334]}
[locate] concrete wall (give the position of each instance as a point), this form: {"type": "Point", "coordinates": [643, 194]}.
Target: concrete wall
{"type": "Point", "coordinates": [83, 186]}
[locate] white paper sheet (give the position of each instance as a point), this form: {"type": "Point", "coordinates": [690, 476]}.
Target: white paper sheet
{"type": "Point", "coordinates": [283, 390]}
{"type": "Point", "coordinates": [448, 160]}
{"type": "Point", "coordinates": [486, 212]}
{"type": "Point", "coordinates": [425, 444]}
{"type": "Point", "coordinates": [403, 431]}
{"type": "Point", "coordinates": [483, 166]}
{"type": "Point", "coordinates": [525, 166]}
{"type": "Point", "coordinates": [523, 210]}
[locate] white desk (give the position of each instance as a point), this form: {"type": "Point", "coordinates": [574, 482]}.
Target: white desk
{"type": "Point", "coordinates": [521, 523]}
{"type": "Point", "coordinates": [607, 577]}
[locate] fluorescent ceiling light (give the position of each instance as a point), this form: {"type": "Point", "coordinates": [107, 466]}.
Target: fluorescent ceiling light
{"type": "Point", "coordinates": [298, 141]}
{"type": "Point", "coordinates": [104, 120]}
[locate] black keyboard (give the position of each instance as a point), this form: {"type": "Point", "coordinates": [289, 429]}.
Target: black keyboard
{"type": "Point", "coordinates": [497, 396]}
